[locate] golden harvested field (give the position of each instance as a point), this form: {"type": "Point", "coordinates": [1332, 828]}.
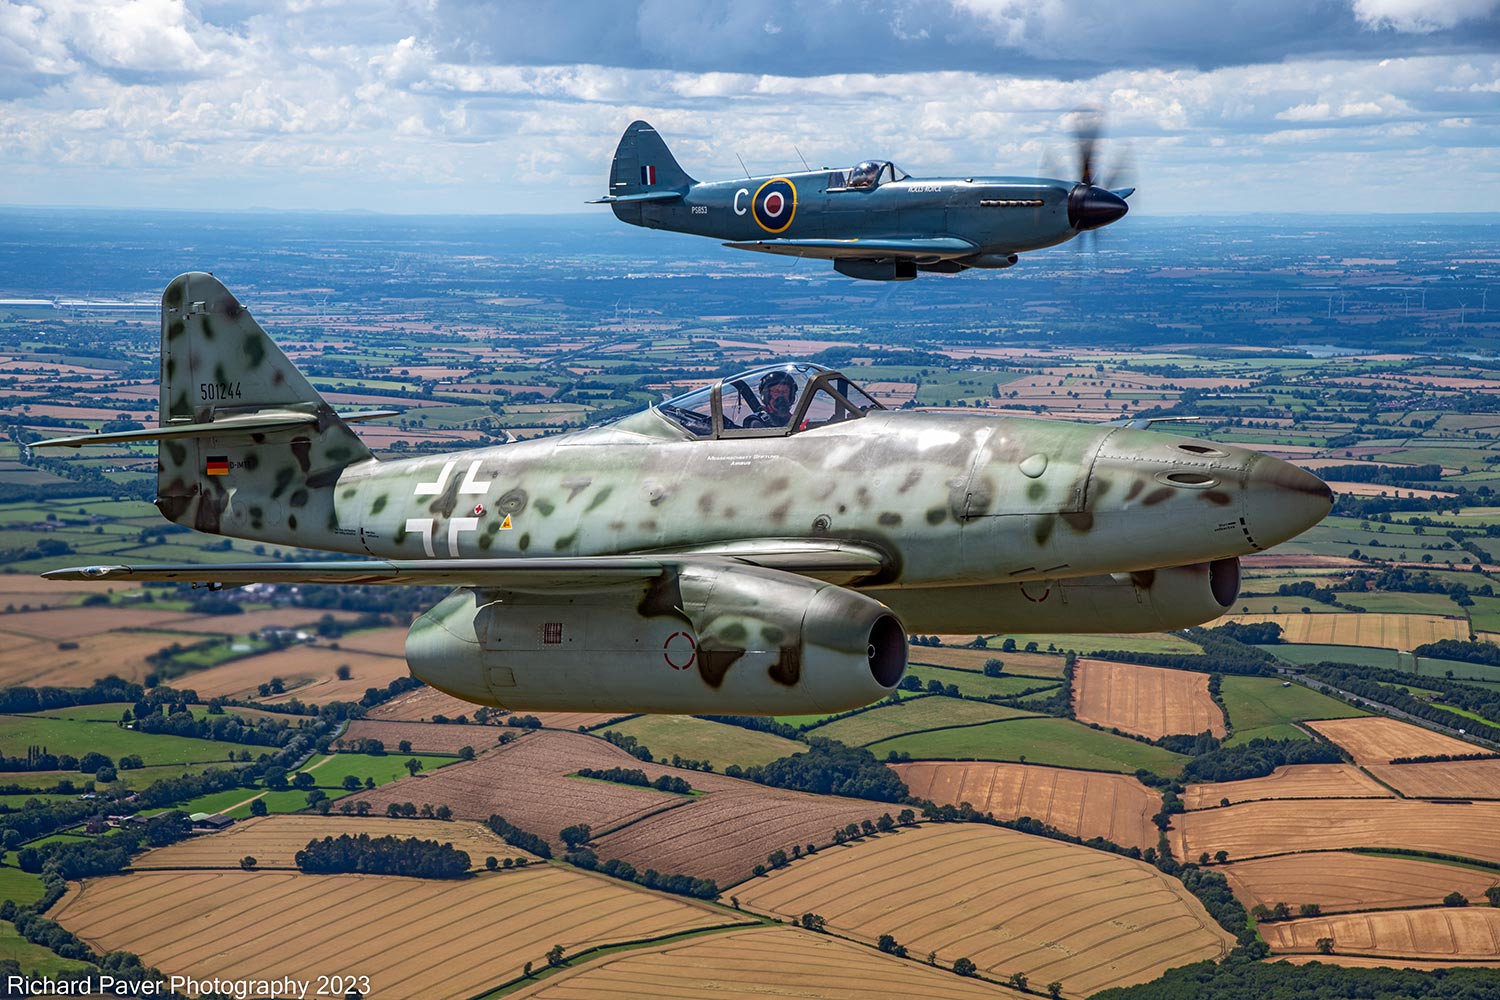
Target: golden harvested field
{"type": "Point", "coordinates": [1257, 829]}
{"type": "Point", "coordinates": [1338, 880]}
{"type": "Point", "coordinates": [273, 841]}
{"type": "Point", "coordinates": [74, 623]}
{"type": "Point", "coordinates": [757, 963]}
{"type": "Point", "coordinates": [1374, 739]}
{"type": "Point", "coordinates": [380, 641]}
{"type": "Point", "coordinates": [1029, 664]}
{"type": "Point", "coordinates": [572, 720]}
{"type": "Point", "coordinates": [412, 937]}
{"type": "Point", "coordinates": [1459, 779]}
{"type": "Point", "coordinates": [39, 662]}
{"type": "Point", "coordinates": [1009, 902]}
{"type": "Point", "coordinates": [1148, 701]}
{"type": "Point", "coordinates": [423, 736]}
{"type": "Point", "coordinates": [1386, 631]}
{"type": "Point", "coordinates": [1471, 932]}
{"type": "Point", "coordinates": [1083, 803]}
{"type": "Point", "coordinates": [314, 667]}
{"type": "Point", "coordinates": [1294, 781]}
{"type": "Point", "coordinates": [254, 621]}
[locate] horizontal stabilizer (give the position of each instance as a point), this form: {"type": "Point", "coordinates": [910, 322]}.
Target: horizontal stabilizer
{"type": "Point", "coordinates": [611, 199]}
{"type": "Point", "coordinates": [260, 422]}
{"type": "Point", "coordinates": [915, 248]}
{"type": "Point", "coordinates": [583, 573]}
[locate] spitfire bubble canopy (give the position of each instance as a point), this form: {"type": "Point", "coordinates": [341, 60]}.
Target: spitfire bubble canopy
{"type": "Point", "coordinates": [759, 546]}
{"type": "Point", "coordinates": [770, 401]}
{"type": "Point", "coordinates": [874, 220]}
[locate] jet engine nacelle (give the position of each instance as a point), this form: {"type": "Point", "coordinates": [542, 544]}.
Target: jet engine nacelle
{"type": "Point", "coordinates": [699, 640]}
{"type": "Point", "coordinates": [1149, 601]}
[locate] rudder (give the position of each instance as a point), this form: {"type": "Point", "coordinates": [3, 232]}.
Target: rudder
{"type": "Point", "coordinates": [644, 165]}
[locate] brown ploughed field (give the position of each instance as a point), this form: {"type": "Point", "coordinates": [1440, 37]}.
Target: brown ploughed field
{"type": "Point", "coordinates": [1082, 803]}
{"type": "Point", "coordinates": [1148, 701]}
{"type": "Point", "coordinates": [1338, 880]}
{"type": "Point", "coordinates": [309, 672]}
{"type": "Point", "coordinates": [1007, 901]}
{"type": "Point", "coordinates": [1471, 932]}
{"type": "Point", "coordinates": [423, 736]}
{"type": "Point", "coordinates": [1293, 781]}
{"type": "Point", "coordinates": [412, 937]}
{"type": "Point", "coordinates": [419, 706]}
{"type": "Point", "coordinates": [1258, 829]}
{"type": "Point", "coordinates": [1374, 739]}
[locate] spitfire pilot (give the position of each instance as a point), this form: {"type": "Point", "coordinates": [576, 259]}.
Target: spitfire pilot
{"type": "Point", "coordinates": [778, 391]}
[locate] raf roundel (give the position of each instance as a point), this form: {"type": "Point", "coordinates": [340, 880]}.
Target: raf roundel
{"type": "Point", "coordinates": [775, 205]}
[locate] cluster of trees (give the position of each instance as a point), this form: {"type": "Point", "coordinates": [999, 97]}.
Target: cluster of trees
{"type": "Point", "coordinates": [105, 856]}
{"type": "Point", "coordinates": [1444, 758]}
{"type": "Point", "coordinates": [1305, 589]}
{"type": "Point", "coordinates": [828, 768]}
{"type": "Point", "coordinates": [1243, 975]}
{"type": "Point", "coordinates": [38, 759]}
{"type": "Point", "coordinates": [409, 810]}
{"type": "Point", "coordinates": [682, 885]}
{"type": "Point", "coordinates": [629, 744]}
{"type": "Point", "coordinates": [635, 776]}
{"type": "Point", "coordinates": [1469, 652]}
{"type": "Point", "coordinates": [517, 837]}
{"type": "Point", "coordinates": [1256, 759]}
{"type": "Point", "coordinates": [227, 728]}
{"type": "Point", "coordinates": [383, 856]}
{"type": "Point", "coordinates": [30, 699]}
{"type": "Point", "coordinates": [759, 723]}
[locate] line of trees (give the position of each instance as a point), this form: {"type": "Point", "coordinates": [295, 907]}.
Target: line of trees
{"type": "Point", "coordinates": [828, 767]}
{"type": "Point", "coordinates": [635, 776]}
{"type": "Point", "coordinates": [1255, 759]}
{"type": "Point", "coordinates": [517, 837]}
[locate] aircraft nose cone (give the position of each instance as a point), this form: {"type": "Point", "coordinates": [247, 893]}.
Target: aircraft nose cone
{"type": "Point", "coordinates": [1091, 207]}
{"type": "Point", "coordinates": [1282, 501]}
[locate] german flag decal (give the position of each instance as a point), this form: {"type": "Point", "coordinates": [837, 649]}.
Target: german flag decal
{"type": "Point", "coordinates": [218, 465]}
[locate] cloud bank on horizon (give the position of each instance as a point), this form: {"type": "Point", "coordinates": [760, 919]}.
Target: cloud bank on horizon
{"type": "Point", "coordinates": [470, 106]}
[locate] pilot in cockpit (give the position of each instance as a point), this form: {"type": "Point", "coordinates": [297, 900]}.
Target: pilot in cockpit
{"type": "Point", "coordinates": [778, 391]}
{"type": "Point", "coordinates": [864, 175]}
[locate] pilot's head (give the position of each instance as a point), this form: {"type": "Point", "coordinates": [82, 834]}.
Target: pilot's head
{"type": "Point", "coordinates": [777, 391]}
{"type": "Point", "coordinates": [864, 174]}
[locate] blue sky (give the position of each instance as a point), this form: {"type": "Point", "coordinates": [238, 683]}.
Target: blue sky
{"type": "Point", "coordinates": [458, 106]}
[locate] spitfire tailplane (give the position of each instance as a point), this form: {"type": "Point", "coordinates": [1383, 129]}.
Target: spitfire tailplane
{"type": "Point", "coordinates": [644, 169]}
{"type": "Point", "coordinates": [247, 446]}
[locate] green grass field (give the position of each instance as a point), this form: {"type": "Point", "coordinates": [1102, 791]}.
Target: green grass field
{"type": "Point", "coordinates": [384, 769]}
{"type": "Point", "coordinates": [1061, 742]}
{"type": "Point", "coordinates": [33, 959]}
{"type": "Point", "coordinates": [1363, 656]}
{"type": "Point", "coordinates": [19, 886]}
{"type": "Point", "coordinates": [1428, 666]}
{"type": "Point", "coordinates": [919, 713]}
{"type": "Point", "coordinates": [1259, 705]}
{"type": "Point", "coordinates": [698, 739]}
{"type": "Point", "coordinates": [976, 685]}
{"type": "Point", "coordinates": [1402, 604]}
{"type": "Point", "coordinates": [60, 736]}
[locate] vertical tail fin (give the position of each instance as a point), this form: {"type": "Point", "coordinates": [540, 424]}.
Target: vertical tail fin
{"type": "Point", "coordinates": [267, 481]}
{"type": "Point", "coordinates": [644, 165]}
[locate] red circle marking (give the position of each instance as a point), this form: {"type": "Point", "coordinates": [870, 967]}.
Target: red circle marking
{"type": "Point", "coordinates": [774, 204]}
{"type": "Point", "coordinates": [667, 649]}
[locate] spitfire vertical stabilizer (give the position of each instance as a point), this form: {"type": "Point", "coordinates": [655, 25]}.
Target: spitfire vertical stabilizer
{"type": "Point", "coordinates": [644, 173]}
{"type": "Point", "coordinates": [248, 447]}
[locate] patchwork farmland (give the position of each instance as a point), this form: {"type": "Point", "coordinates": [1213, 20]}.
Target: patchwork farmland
{"type": "Point", "coordinates": [1296, 781]}
{"type": "Point", "coordinates": [1446, 933]}
{"type": "Point", "coordinates": [1378, 740]}
{"type": "Point", "coordinates": [1339, 880]}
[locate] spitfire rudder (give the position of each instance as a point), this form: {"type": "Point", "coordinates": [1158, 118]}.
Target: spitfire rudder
{"type": "Point", "coordinates": [270, 472]}
{"type": "Point", "coordinates": [644, 165]}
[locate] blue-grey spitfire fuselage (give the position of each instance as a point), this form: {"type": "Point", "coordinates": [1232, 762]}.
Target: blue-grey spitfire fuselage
{"type": "Point", "coordinates": [873, 220]}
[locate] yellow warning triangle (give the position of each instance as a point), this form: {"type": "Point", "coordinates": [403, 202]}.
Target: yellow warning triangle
{"type": "Point", "coordinates": [505, 524]}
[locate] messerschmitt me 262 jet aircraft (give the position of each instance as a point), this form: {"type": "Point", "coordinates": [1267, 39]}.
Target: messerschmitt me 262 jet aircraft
{"type": "Point", "coordinates": [760, 545]}
{"type": "Point", "coordinates": [874, 220]}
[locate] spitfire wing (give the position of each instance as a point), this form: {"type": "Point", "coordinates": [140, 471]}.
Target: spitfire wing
{"type": "Point", "coordinates": [915, 248]}
{"type": "Point", "coordinates": [834, 562]}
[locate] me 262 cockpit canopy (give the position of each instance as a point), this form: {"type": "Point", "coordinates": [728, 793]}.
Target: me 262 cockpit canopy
{"type": "Point", "coordinates": [769, 401]}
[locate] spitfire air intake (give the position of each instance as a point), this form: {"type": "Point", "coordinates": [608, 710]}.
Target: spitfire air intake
{"type": "Point", "coordinates": [695, 640]}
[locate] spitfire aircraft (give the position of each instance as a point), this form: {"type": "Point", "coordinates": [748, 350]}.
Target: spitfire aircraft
{"type": "Point", "coordinates": [760, 545]}
{"type": "Point", "coordinates": [874, 220]}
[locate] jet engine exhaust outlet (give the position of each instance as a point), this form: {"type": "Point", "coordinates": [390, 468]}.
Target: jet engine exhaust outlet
{"type": "Point", "coordinates": [888, 651]}
{"type": "Point", "coordinates": [1224, 580]}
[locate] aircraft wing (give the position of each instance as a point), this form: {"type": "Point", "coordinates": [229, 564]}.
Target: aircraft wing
{"type": "Point", "coordinates": [914, 248]}
{"type": "Point", "coordinates": [832, 561]}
